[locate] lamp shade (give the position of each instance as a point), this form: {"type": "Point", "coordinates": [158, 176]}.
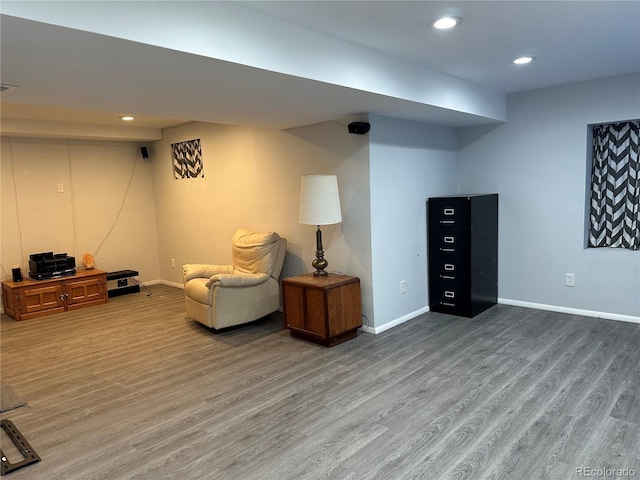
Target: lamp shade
{"type": "Point", "coordinates": [319, 200]}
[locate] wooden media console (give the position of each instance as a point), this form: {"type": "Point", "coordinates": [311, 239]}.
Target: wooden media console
{"type": "Point", "coordinates": [37, 298]}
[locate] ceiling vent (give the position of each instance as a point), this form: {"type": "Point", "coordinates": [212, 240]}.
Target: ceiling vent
{"type": "Point", "coordinates": [5, 86]}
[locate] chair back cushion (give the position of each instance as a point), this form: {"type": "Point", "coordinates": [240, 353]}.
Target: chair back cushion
{"type": "Point", "coordinates": [255, 252]}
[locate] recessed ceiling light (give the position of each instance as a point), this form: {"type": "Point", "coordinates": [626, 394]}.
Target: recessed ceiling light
{"type": "Point", "coordinates": [523, 60]}
{"type": "Point", "coordinates": [446, 23]}
{"type": "Point", "coordinates": [127, 118]}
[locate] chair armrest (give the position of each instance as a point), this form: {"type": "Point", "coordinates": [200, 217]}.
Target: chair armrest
{"type": "Point", "coordinates": [200, 270]}
{"type": "Point", "coordinates": [237, 279]}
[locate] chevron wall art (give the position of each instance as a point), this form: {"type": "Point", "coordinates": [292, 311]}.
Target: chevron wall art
{"type": "Point", "coordinates": [615, 186]}
{"type": "Point", "coordinates": [187, 159]}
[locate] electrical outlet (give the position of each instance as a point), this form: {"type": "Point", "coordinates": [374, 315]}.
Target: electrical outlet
{"type": "Point", "coordinates": [569, 280]}
{"type": "Point", "coordinates": [173, 263]}
{"type": "Point", "coordinates": [403, 287]}
{"type": "Point", "coordinates": [60, 188]}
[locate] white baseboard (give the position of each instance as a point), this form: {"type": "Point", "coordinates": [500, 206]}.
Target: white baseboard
{"type": "Point", "coordinates": [163, 282]}
{"type": "Point", "coordinates": [516, 303]}
{"type": "Point", "coordinates": [394, 323]}
{"type": "Point", "coordinates": [574, 311]}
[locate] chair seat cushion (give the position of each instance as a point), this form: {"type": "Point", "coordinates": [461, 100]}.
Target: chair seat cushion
{"type": "Point", "coordinates": [197, 289]}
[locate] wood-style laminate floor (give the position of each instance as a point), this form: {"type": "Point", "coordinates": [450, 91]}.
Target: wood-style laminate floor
{"type": "Point", "coordinates": [135, 390]}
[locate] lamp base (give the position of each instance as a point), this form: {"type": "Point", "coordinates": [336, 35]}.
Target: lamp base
{"type": "Point", "coordinates": [320, 263]}
{"type": "Point", "coordinates": [320, 271]}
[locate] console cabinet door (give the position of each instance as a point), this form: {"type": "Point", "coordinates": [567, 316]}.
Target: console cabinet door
{"type": "Point", "coordinates": [36, 300]}
{"type": "Point", "coordinates": [82, 291]}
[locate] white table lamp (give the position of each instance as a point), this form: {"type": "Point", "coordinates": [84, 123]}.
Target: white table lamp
{"type": "Point", "coordinates": [319, 205]}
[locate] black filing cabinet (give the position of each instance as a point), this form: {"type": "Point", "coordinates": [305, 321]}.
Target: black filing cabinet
{"type": "Point", "coordinates": [463, 253]}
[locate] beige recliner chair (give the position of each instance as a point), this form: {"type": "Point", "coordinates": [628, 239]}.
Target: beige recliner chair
{"type": "Point", "coordinates": [220, 296]}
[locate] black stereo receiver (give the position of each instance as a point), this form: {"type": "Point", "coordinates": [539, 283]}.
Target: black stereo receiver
{"type": "Point", "coordinates": [50, 265]}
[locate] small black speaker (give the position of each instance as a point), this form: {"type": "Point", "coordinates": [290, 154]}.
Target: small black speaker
{"type": "Point", "coordinates": [145, 152]}
{"type": "Point", "coordinates": [359, 128]}
{"type": "Point", "coordinates": [16, 273]}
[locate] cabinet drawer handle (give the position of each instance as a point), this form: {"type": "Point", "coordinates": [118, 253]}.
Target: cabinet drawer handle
{"type": "Point", "coordinates": [449, 267]}
{"type": "Point", "coordinates": [447, 277]}
{"type": "Point", "coordinates": [448, 250]}
{"type": "Point", "coordinates": [448, 304]}
{"type": "Point", "coordinates": [448, 222]}
{"type": "Point", "coordinates": [449, 294]}
{"type": "Point", "coordinates": [449, 239]}
{"type": "Point", "coordinates": [449, 211]}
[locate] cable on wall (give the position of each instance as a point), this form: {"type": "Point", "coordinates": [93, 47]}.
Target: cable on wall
{"type": "Point", "coordinates": [74, 213]}
{"type": "Point", "coordinates": [126, 193]}
{"type": "Point", "coordinates": [15, 195]}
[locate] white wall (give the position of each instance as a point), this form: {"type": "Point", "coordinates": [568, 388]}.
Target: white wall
{"type": "Point", "coordinates": [409, 162]}
{"type": "Point", "coordinates": [252, 180]}
{"type": "Point", "coordinates": [97, 178]}
{"type": "Point", "coordinates": [537, 162]}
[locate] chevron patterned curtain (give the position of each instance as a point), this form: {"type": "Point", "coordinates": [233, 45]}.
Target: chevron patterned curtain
{"type": "Point", "coordinates": [187, 159]}
{"type": "Point", "coordinates": [615, 186]}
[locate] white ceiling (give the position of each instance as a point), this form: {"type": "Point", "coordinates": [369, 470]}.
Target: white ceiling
{"type": "Point", "coordinates": [573, 40]}
{"type": "Point", "coordinates": [70, 75]}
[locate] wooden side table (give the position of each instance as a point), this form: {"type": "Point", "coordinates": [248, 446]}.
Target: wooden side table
{"type": "Point", "coordinates": [324, 310]}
